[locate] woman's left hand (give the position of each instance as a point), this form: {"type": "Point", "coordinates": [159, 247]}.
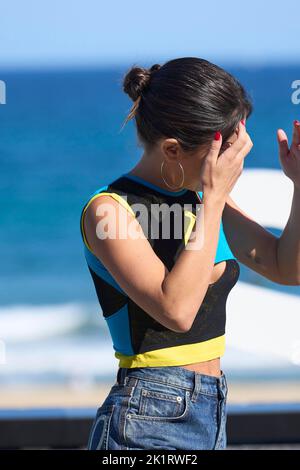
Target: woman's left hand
{"type": "Point", "coordinates": [290, 156]}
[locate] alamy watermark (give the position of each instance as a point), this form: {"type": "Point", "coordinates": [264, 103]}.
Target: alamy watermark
{"type": "Point", "coordinates": [296, 94]}
{"type": "Point", "coordinates": [161, 221]}
{"type": "Point", "coordinates": [2, 92]}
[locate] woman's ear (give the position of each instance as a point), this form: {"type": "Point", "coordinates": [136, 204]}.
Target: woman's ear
{"type": "Point", "coordinates": [171, 150]}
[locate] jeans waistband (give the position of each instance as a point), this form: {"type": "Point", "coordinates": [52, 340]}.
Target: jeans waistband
{"type": "Point", "coordinates": [177, 376]}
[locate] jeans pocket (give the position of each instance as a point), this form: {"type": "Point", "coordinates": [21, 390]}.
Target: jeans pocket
{"type": "Point", "coordinates": [157, 401]}
{"type": "Point", "coordinates": [98, 439]}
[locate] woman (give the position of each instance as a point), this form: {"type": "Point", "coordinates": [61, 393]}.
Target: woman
{"type": "Point", "coordinates": [162, 290]}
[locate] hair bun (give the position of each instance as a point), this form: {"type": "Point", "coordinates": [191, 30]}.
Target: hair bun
{"type": "Point", "coordinates": [137, 79]}
{"type": "Point", "coordinates": [154, 68]}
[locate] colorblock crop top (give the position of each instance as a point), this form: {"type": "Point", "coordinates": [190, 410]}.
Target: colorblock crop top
{"type": "Point", "coordinates": [138, 339]}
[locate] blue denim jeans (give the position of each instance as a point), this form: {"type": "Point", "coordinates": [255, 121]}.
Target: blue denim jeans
{"type": "Point", "coordinates": [162, 408]}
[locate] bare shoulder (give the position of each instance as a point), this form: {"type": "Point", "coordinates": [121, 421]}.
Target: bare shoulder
{"type": "Point", "coordinates": [106, 216]}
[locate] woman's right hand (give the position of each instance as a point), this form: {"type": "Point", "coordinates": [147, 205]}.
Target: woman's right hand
{"type": "Point", "coordinates": [220, 172]}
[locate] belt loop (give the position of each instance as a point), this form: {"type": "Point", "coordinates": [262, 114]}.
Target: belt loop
{"type": "Point", "coordinates": [126, 380]}
{"type": "Point", "coordinates": [197, 386]}
{"type": "Point", "coordinates": [225, 386]}
{"type": "Point", "coordinates": [222, 386]}
{"type": "Point", "coordinates": [121, 376]}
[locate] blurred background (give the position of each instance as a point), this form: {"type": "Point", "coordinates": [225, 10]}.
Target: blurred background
{"type": "Point", "coordinates": [61, 112]}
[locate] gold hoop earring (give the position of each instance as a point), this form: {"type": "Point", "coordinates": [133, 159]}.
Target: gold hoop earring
{"type": "Point", "coordinates": [170, 186]}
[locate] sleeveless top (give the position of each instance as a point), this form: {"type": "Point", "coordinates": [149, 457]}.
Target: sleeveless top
{"type": "Point", "coordinates": [138, 339]}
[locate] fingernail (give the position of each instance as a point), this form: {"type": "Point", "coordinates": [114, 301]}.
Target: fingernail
{"type": "Point", "coordinates": [243, 121]}
{"type": "Point", "coordinates": [296, 122]}
{"type": "Point", "coordinates": [217, 135]}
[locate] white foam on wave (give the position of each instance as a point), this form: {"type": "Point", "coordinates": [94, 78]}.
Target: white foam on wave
{"type": "Point", "coordinates": [264, 322]}
{"type": "Point", "coordinates": [265, 195]}
{"type": "Point", "coordinates": [69, 359]}
{"type": "Point", "coordinates": [33, 322]}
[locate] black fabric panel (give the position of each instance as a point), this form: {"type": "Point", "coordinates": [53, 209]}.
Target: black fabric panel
{"type": "Point", "coordinates": [110, 299]}
{"type": "Point", "coordinates": [148, 334]}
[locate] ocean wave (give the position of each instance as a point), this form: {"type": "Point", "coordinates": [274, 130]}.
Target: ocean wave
{"type": "Point", "coordinates": [19, 323]}
{"type": "Point", "coordinates": [64, 359]}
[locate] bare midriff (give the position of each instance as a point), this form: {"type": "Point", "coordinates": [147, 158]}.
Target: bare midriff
{"type": "Point", "coordinates": [212, 367]}
{"type": "Point", "coordinates": [207, 367]}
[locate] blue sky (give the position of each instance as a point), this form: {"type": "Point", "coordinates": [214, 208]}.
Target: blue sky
{"type": "Point", "coordinates": [95, 32]}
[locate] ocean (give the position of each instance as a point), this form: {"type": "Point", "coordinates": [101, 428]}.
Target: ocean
{"type": "Point", "coordinates": [61, 139]}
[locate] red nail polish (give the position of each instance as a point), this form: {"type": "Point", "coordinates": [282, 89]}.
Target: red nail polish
{"type": "Point", "coordinates": [296, 122]}
{"type": "Point", "coordinates": [217, 135]}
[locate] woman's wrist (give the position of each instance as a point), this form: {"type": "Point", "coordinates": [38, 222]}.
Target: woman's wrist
{"type": "Point", "coordinates": [210, 198]}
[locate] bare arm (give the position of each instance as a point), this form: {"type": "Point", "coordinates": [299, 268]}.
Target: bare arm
{"type": "Point", "coordinates": [277, 259]}
{"type": "Point", "coordinates": [252, 244]}
{"type": "Point", "coordinates": [288, 252]}
{"type": "Point", "coordinates": [288, 249]}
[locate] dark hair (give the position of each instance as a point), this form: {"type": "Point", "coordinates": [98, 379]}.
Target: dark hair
{"type": "Point", "coordinates": [188, 99]}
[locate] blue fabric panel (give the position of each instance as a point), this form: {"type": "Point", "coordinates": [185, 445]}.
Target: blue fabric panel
{"type": "Point", "coordinates": [223, 248]}
{"type": "Point", "coordinates": [118, 325]}
{"type": "Point", "coordinates": [100, 269]}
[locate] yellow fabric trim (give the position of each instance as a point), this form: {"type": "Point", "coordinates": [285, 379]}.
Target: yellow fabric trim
{"type": "Point", "coordinates": [117, 197]}
{"type": "Point", "coordinates": [189, 229]}
{"type": "Point", "coordinates": [176, 355]}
